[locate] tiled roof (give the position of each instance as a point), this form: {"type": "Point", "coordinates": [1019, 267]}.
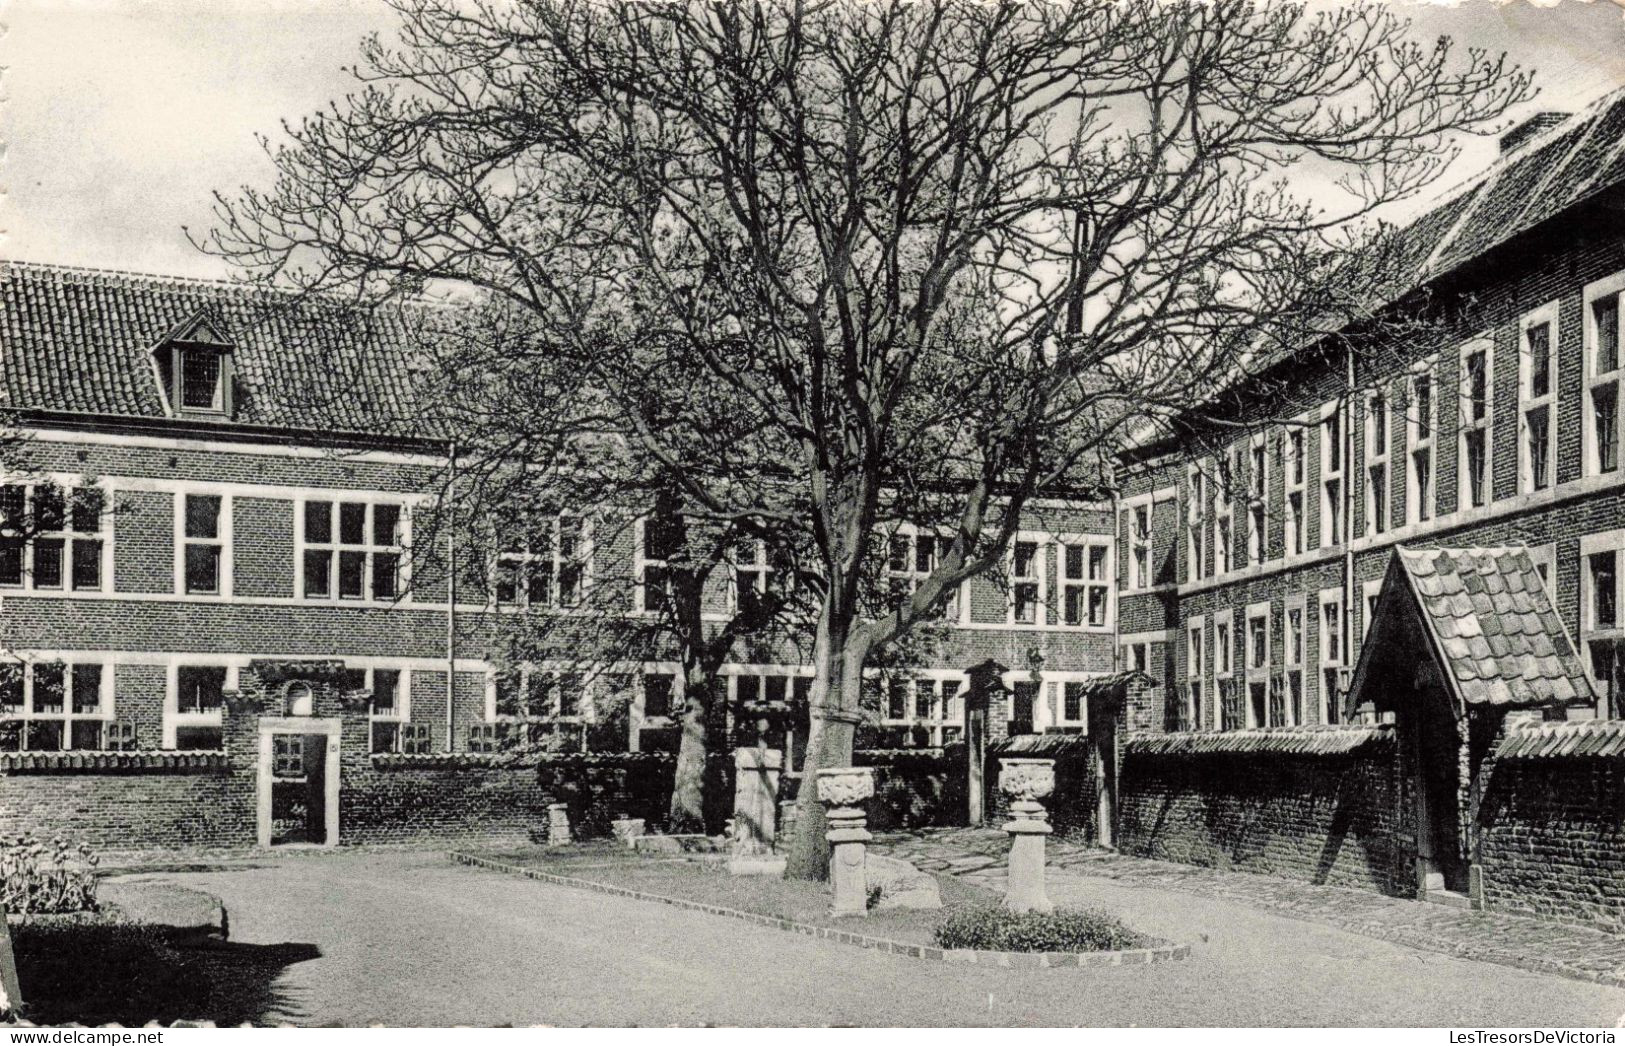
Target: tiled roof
{"type": "Point", "coordinates": [80, 340]}
{"type": "Point", "coordinates": [1115, 686]}
{"type": "Point", "coordinates": [1341, 739]}
{"type": "Point", "coordinates": [1593, 738]}
{"type": "Point", "coordinates": [1050, 744]}
{"type": "Point", "coordinates": [1552, 171]}
{"type": "Point", "coordinates": [1494, 626]}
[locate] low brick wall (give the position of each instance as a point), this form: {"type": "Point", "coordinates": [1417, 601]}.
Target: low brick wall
{"type": "Point", "coordinates": [1552, 838]}
{"type": "Point", "coordinates": [915, 787]}
{"type": "Point", "coordinates": [147, 808]}
{"type": "Point", "coordinates": [1329, 814]}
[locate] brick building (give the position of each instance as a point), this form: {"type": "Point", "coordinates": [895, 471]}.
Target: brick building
{"type": "Point", "coordinates": [1256, 540]}
{"type": "Point", "coordinates": [217, 632]}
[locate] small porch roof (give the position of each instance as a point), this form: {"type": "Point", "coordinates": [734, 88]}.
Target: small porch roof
{"type": "Point", "coordinates": [1488, 621]}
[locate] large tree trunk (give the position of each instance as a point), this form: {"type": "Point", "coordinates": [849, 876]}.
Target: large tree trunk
{"type": "Point", "coordinates": [832, 730]}
{"type": "Point", "coordinates": [687, 810]}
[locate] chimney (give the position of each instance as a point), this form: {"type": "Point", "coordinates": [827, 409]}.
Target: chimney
{"type": "Point", "coordinates": [1529, 128]}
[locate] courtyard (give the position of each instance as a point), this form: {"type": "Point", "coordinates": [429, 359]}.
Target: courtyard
{"type": "Point", "coordinates": [409, 938]}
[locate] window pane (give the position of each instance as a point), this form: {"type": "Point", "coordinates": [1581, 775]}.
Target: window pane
{"type": "Point", "coordinates": [199, 688]}
{"type": "Point", "coordinates": [386, 525]}
{"type": "Point", "coordinates": [200, 380]}
{"type": "Point", "coordinates": [203, 568]}
{"type": "Point", "coordinates": [1477, 489]}
{"type": "Point", "coordinates": [202, 516]}
{"type": "Point", "coordinates": [1478, 402]}
{"type": "Point", "coordinates": [13, 501]}
{"type": "Point", "coordinates": [539, 577]}
{"type": "Point", "coordinates": [87, 689]}
{"type": "Point", "coordinates": [352, 523]}
{"type": "Point", "coordinates": [87, 510]}
{"type": "Point", "coordinates": [925, 554]}
{"type": "Point", "coordinates": [1073, 608]}
{"type": "Point", "coordinates": [86, 736]}
{"type": "Point", "coordinates": [11, 561]}
{"type": "Point", "coordinates": [318, 573]}
{"type": "Point", "coordinates": [1073, 701]}
{"type": "Point", "coordinates": [1026, 559]}
{"type": "Point", "coordinates": [1539, 446]}
{"type": "Point", "coordinates": [44, 735]}
{"type": "Point", "coordinates": [1540, 354]}
{"type": "Point", "coordinates": [1605, 425]}
{"type": "Point", "coordinates": [569, 584]}
{"type": "Point", "coordinates": [1026, 603]}
{"type": "Point", "coordinates": [1423, 406]}
{"type": "Point", "coordinates": [352, 575]}
{"type": "Point", "coordinates": [319, 522]}
{"type": "Point", "coordinates": [50, 686]}
{"type": "Point", "coordinates": [47, 563]}
{"type": "Point", "coordinates": [87, 564]}
{"type": "Point", "coordinates": [657, 691]}
{"type": "Point", "coordinates": [50, 508]}
{"type": "Point", "coordinates": [1604, 591]}
{"type": "Point", "coordinates": [1605, 312]}
{"type": "Point", "coordinates": [385, 683]}
{"type": "Point", "coordinates": [661, 536]}
{"type": "Point", "coordinates": [11, 687]}
{"type": "Point", "coordinates": [386, 568]}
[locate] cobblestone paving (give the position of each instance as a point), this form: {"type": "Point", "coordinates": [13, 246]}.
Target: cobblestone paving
{"type": "Point", "coordinates": [1509, 940]}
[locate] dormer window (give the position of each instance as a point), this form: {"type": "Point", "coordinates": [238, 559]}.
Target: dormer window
{"type": "Point", "coordinates": [194, 366]}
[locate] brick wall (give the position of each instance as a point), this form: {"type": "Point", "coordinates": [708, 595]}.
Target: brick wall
{"type": "Point", "coordinates": [1552, 838]}
{"type": "Point", "coordinates": [1322, 819]}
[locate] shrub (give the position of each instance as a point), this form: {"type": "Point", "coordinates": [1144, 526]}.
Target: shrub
{"type": "Point", "coordinates": [989, 927]}
{"type": "Point", "coordinates": [94, 972]}
{"type": "Point", "coordinates": [46, 878]}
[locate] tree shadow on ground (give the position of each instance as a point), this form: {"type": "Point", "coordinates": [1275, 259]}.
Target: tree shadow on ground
{"type": "Point", "coordinates": [101, 972]}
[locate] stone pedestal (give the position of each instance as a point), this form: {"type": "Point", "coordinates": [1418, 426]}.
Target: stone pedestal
{"type": "Point", "coordinates": [627, 830]}
{"type": "Point", "coordinates": [1026, 781]}
{"type": "Point", "coordinates": [756, 797]}
{"type": "Point", "coordinates": [843, 791]}
{"type": "Point", "coordinates": [558, 824]}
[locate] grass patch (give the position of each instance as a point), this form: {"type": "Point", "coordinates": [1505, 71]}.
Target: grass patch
{"type": "Point", "coordinates": [708, 882]}
{"type": "Point", "coordinates": [989, 927]}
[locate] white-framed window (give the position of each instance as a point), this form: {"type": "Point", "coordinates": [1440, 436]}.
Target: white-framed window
{"type": "Point", "coordinates": [1027, 589]}
{"type": "Point", "coordinates": [195, 705]}
{"type": "Point", "coordinates": [545, 568]}
{"type": "Point", "coordinates": [1197, 498]}
{"type": "Point", "coordinates": [1226, 705]}
{"type": "Point", "coordinates": [1139, 546]}
{"type": "Point", "coordinates": [1421, 425]}
{"type": "Point", "coordinates": [1086, 582]}
{"type": "Point", "coordinates": [1295, 468]}
{"type": "Point", "coordinates": [203, 543]}
{"type": "Point", "coordinates": [930, 707]}
{"type": "Point", "coordinates": [1292, 641]}
{"type": "Point", "coordinates": [1074, 707]}
{"type": "Point", "coordinates": [1602, 626]}
{"type": "Point", "coordinates": [1476, 442]}
{"type": "Point", "coordinates": [751, 688]}
{"type": "Point", "coordinates": [1257, 498]}
{"type": "Point", "coordinates": [351, 549]}
{"type": "Point", "coordinates": [911, 558]}
{"type": "Point", "coordinates": [1376, 461]}
{"type": "Point", "coordinates": [1537, 399]}
{"type": "Point", "coordinates": [1224, 535]}
{"type": "Point", "coordinates": [1332, 654]}
{"type": "Point", "coordinates": [53, 538]}
{"type": "Point", "coordinates": [530, 702]}
{"type": "Point", "coordinates": [1331, 475]}
{"type": "Point", "coordinates": [1368, 608]}
{"type": "Point", "coordinates": [1135, 656]}
{"type": "Point", "coordinates": [1195, 673]}
{"type": "Point", "coordinates": [1258, 665]}
{"type": "Point", "coordinates": [1604, 334]}
{"type": "Point", "coordinates": [389, 704]}
{"type": "Point", "coordinates": [51, 705]}
{"type": "Point", "coordinates": [657, 541]}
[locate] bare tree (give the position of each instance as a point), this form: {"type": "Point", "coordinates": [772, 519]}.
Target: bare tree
{"type": "Point", "coordinates": [929, 258]}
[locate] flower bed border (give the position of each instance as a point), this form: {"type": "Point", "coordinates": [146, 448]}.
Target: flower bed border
{"type": "Point", "coordinates": [1014, 960]}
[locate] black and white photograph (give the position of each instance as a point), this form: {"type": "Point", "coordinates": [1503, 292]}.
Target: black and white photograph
{"type": "Point", "coordinates": [583, 514]}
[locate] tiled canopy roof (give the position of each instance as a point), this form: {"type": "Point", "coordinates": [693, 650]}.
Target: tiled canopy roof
{"type": "Point", "coordinates": [81, 340]}
{"type": "Point", "coordinates": [1344, 739]}
{"type": "Point", "coordinates": [1591, 738]}
{"type": "Point", "coordinates": [1492, 624]}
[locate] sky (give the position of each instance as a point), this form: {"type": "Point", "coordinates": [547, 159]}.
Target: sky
{"type": "Point", "coordinates": [120, 117]}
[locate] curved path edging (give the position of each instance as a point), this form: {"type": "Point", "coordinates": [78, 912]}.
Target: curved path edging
{"type": "Point", "coordinates": [1017, 960]}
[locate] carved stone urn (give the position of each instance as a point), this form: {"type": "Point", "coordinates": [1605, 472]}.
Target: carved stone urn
{"type": "Point", "coordinates": [843, 791]}
{"type": "Point", "coordinates": [1027, 780]}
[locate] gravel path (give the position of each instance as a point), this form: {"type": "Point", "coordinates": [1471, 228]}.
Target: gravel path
{"type": "Point", "coordinates": [411, 939]}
